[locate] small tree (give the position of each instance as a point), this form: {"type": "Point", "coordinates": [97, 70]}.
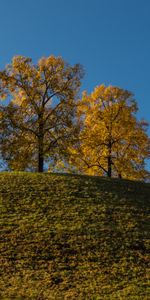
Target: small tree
{"type": "Point", "coordinates": [112, 141]}
{"type": "Point", "coordinates": [39, 120]}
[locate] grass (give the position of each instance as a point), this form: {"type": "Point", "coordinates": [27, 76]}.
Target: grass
{"type": "Point", "coordinates": [73, 237]}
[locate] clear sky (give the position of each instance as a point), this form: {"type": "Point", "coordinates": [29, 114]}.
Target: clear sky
{"type": "Point", "coordinates": [110, 38]}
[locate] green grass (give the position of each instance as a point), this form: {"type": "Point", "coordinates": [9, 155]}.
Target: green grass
{"type": "Point", "coordinates": [73, 237]}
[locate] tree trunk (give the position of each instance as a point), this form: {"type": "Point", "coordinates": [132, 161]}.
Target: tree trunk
{"type": "Point", "coordinates": [41, 145]}
{"type": "Point", "coordinates": [109, 172]}
{"type": "Point", "coordinates": [109, 161]}
{"type": "Point", "coordinates": [40, 160]}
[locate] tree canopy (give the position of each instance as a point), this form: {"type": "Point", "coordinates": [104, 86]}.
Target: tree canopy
{"type": "Point", "coordinates": [112, 141]}
{"type": "Point", "coordinates": [39, 119]}
{"type": "Point", "coordinates": [43, 120]}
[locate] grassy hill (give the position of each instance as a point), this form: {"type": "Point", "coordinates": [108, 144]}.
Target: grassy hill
{"type": "Point", "coordinates": [73, 237]}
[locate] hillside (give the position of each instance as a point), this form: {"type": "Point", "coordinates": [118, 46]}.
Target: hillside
{"type": "Point", "coordinates": [73, 237]}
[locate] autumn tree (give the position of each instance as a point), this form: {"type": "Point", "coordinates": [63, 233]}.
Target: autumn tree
{"type": "Point", "coordinates": [39, 119]}
{"type": "Point", "coordinates": [112, 141]}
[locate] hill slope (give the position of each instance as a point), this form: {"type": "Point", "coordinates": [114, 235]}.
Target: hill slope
{"type": "Point", "coordinates": [73, 237]}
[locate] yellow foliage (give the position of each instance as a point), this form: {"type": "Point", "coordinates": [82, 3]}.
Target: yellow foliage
{"type": "Point", "coordinates": [42, 106]}
{"type": "Point", "coordinates": [112, 140]}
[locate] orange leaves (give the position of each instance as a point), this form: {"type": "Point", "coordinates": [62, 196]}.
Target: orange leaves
{"type": "Point", "coordinates": [3, 96]}
{"type": "Point", "coordinates": [100, 131]}
{"type": "Point", "coordinates": [111, 137]}
{"type": "Point", "coordinates": [42, 106]}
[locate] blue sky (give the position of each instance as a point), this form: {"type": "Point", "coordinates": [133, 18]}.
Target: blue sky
{"type": "Point", "coordinates": [110, 38]}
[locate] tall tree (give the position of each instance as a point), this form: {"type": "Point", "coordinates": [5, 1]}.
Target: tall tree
{"type": "Point", "coordinates": [39, 119]}
{"type": "Point", "coordinates": [112, 141]}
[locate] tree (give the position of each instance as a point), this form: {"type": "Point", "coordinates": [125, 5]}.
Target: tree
{"type": "Point", "coordinates": [39, 120]}
{"type": "Point", "coordinates": [112, 141]}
